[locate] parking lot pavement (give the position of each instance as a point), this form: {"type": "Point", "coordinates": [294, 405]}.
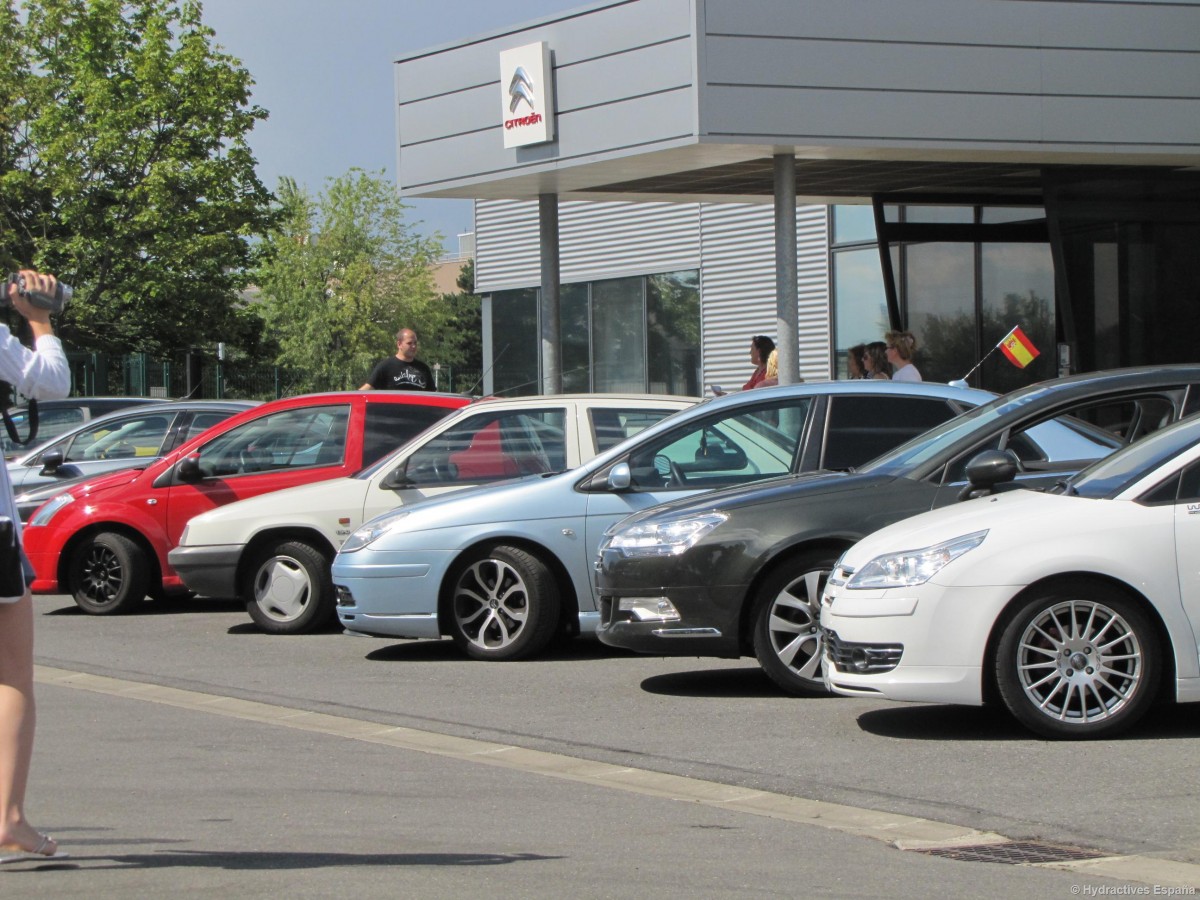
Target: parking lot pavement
{"type": "Point", "coordinates": [156, 800]}
{"type": "Point", "coordinates": [183, 752]}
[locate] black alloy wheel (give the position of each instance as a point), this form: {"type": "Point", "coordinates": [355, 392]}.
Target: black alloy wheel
{"type": "Point", "coordinates": [108, 574]}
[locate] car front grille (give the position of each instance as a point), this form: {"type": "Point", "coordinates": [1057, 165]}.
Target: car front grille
{"type": "Point", "coordinates": [861, 659]}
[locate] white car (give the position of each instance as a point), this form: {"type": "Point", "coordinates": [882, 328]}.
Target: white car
{"type": "Point", "coordinates": [275, 551]}
{"type": "Point", "coordinates": [1077, 608]}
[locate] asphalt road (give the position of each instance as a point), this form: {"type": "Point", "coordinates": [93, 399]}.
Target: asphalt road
{"type": "Point", "coordinates": [182, 752]}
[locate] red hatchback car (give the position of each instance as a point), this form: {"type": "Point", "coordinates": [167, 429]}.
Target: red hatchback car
{"type": "Point", "coordinates": [105, 542]}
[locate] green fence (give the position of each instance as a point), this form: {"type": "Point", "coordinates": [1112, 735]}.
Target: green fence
{"type": "Point", "coordinates": [202, 377]}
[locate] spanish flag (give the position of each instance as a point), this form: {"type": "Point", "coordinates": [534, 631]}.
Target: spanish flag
{"type": "Point", "coordinates": [1018, 348]}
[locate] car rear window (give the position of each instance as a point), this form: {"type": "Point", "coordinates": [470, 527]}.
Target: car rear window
{"type": "Point", "coordinates": [861, 428]}
{"type": "Point", "coordinates": [610, 426]}
{"type": "Point", "coordinates": [391, 424]}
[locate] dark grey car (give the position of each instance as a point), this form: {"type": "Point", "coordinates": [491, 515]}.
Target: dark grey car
{"type": "Point", "coordinates": [740, 571]}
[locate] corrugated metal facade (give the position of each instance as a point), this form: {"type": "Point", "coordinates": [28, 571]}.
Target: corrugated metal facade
{"type": "Point", "coordinates": [732, 244]}
{"type": "Point", "coordinates": [596, 240]}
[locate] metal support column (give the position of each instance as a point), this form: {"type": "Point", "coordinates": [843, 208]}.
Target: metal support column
{"type": "Point", "coordinates": [787, 337]}
{"type": "Point", "coordinates": [550, 316]}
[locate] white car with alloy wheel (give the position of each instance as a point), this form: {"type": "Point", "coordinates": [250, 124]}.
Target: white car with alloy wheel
{"type": "Point", "coordinates": [1076, 608]}
{"type": "Point", "coordinates": [274, 551]}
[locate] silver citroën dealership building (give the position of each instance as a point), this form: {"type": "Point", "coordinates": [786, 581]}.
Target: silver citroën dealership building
{"type": "Point", "coordinates": [658, 180]}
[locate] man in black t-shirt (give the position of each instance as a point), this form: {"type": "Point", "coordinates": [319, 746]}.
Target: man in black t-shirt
{"type": "Point", "coordinates": [402, 372]}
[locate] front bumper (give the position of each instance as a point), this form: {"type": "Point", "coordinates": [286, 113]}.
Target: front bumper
{"type": "Point", "coordinates": [43, 555]}
{"type": "Point", "coordinates": [390, 593]}
{"type": "Point", "coordinates": [210, 571]}
{"type": "Point", "coordinates": [927, 643]}
{"type": "Point", "coordinates": [707, 623]}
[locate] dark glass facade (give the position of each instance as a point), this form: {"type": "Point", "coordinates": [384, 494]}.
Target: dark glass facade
{"type": "Point", "coordinates": [1128, 247]}
{"type": "Point", "coordinates": [981, 272]}
{"type": "Point", "coordinates": [1105, 274]}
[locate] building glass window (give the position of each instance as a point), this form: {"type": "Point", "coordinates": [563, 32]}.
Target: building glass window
{"type": "Point", "coordinates": [991, 215]}
{"type": "Point", "coordinates": [516, 343]}
{"type": "Point", "coordinates": [860, 308]}
{"type": "Point", "coordinates": [940, 214]}
{"type": "Point", "coordinates": [940, 291]}
{"type": "Point", "coordinates": [574, 320]}
{"type": "Point", "coordinates": [624, 335]}
{"type": "Point", "coordinates": [1017, 288]}
{"type": "Point", "coordinates": [853, 223]}
{"type": "Point", "coordinates": [673, 333]}
{"type": "Point", "coordinates": [619, 335]}
{"type": "Point", "coordinates": [959, 295]}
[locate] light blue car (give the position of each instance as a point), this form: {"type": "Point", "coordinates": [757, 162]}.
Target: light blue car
{"type": "Point", "coordinates": [504, 568]}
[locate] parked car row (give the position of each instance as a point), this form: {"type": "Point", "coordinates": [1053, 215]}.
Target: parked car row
{"type": "Point", "coordinates": [745, 570]}
{"type": "Point", "coordinates": [105, 540]}
{"type": "Point", "coordinates": [671, 526]}
{"type": "Point", "coordinates": [274, 552]}
{"type": "Point", "coordinates": [741, 571]}
{"type": "Point", "coordinates": [505, 568]}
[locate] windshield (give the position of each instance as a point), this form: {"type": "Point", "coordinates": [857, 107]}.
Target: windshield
{"type": "Point", "coordinates": [1111, 475]}
{"type": "Point", "coordinates": [929, 445]}
{"type": "Point", "coordinates": [1089, 429]}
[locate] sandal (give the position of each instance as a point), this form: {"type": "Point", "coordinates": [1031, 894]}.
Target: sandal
{"type": "Point", "coordinates": [11, 855]}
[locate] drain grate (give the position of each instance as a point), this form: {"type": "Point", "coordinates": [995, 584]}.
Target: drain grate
{"type": "Point", "coordinates": [1012, 853]}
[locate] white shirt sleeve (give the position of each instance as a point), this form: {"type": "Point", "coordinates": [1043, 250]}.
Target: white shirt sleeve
{"type": "Point", "coordinates": [41, 375]}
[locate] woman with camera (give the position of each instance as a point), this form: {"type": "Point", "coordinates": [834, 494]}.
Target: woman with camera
{"type": "Point", "coordinates": [40, 373]}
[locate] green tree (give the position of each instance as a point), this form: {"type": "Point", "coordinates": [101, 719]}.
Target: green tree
{"type": "Point", "coordinates": [127, 169]}
{"type": "Point", "coordinates": [340, 274]}
{"type": "Point", "coordinates": [460, 342]}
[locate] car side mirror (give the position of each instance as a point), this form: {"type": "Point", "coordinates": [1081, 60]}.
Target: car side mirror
{"type": "Point", "coordinates": [397, 479]}
{"type": "Point", "coordinates": [51, 461]}
{"type": "Point", "coordinates": [187, 469]}
{"type": "Point", "coordinates": [988, 469]}
{"type": "Point", "coordinates": [620, 478]}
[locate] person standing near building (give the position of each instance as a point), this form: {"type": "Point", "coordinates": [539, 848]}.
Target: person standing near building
{"type": "Point", "coordinates": [875, 361]}
{"type": "Point", "coordinates": [761, 347]}
{"type": "Point", "coordinates": [856, 362]}
{"type": "Point", "coordinates": [41, 374]}
{"type": "Point", "coordinates": [901, 345]}
{"type": "Point", "coordinates": [402, 372]}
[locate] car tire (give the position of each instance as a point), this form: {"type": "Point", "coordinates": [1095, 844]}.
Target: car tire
{"type": "Point", "coordinates": [785, 625]}
{"type": "Point", "coordinates": [290, 588]}
{"type": "Point", "coordinates": [1058, 682]}
{"type": "Point", "coordinates": [108, 574]}
{"type": "Point", "coordinates": [504, 605]}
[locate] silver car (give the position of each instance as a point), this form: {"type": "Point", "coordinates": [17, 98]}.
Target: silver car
{"type": "Point", "coordinates": [130, 437]}
{"type": "Point", "coordinates": [503, 569]}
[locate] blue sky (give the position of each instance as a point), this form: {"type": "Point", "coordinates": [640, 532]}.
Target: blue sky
{"type": "Point", "coordinates": [323, 69]}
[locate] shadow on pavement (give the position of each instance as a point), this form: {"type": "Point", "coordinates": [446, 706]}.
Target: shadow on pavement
{"type": "Point", "coordinates": [992, 723]}
{"type": "Point", "coordinates": [261, 860]}
{"type": "Point", "coordinates": [748, 682]}
{"type": "Point", "coordinates": [168, 606]}
{"type": "Point", "coordinates": [252, 628]}
{"type": "Point", "coordinates": [447, 651]}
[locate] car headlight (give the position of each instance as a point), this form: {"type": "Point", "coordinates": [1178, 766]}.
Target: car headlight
{"type": "Point", "coordinates": [46, 511]}
{"type": "Point", "coordinates": [372, 531]}
{"type": "Point", "coordinates": [912, 567]}
{"type": "Point", "coordinates": [669, 538]}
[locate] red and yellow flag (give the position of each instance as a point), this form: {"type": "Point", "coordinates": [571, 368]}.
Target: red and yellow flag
{"type": "Point", "coordinates": [1018, 348]}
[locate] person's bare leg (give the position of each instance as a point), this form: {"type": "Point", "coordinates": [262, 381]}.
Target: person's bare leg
{"type": "Point", "coordinates": [17, 719]}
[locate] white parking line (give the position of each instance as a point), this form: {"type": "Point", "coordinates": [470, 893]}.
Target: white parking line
{"type": "Point", "coordinates": [902, 832]}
